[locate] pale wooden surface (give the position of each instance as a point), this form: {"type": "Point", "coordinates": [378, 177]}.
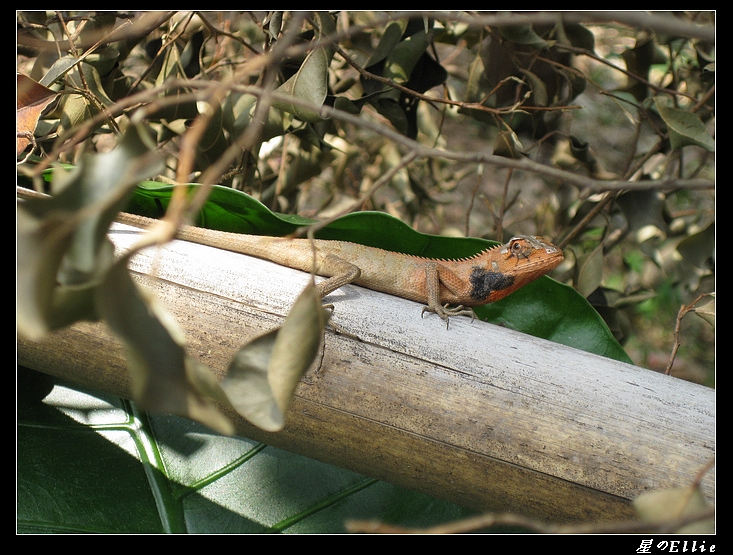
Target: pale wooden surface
{"type": "Point", "coordinates": [476, 414]}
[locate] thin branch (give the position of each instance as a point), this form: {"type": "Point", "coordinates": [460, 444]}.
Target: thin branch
{"type": "Point", "coordinates": [660, 22]}
{"type": "Point", "coordinates": [684, 309]}
{"type": "Point", "coordinates": [490, 520]}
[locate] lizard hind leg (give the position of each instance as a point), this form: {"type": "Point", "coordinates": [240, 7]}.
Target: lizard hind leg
{"type": "Point", "coordinates": [340, 271]}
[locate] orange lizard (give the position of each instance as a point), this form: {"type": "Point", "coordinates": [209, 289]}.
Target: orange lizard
{"type": "Point", "coordinates": [488, 276]}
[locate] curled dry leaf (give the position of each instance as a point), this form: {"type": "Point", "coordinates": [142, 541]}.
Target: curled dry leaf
{"type": "Point", "coordinates": [32, 99]}
{"type": "Point", "coordinates": [163, 377]}
{"type": "Point", "coordinates": [706, 311]}
{"type": "Point", "coordinates": [262, 376]}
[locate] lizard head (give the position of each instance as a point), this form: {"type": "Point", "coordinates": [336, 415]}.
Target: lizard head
{"type": "Point", "coordinates": [513, 265]}
{"type": "Point", "coordinates": [527, 257]}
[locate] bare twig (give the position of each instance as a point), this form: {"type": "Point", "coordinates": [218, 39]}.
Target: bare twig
{"type": "Point", "coordinates": [490, 520]}
{"type": "Point", "coordinates": [684, 309]}
{"type": "Point", "coordinates": [660, 22]}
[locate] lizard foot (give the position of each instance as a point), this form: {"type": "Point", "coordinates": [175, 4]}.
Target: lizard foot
{"type": "Point", "coordinates": [445, 312]}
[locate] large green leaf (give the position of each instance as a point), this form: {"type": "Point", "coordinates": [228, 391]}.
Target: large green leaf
{"type": "Point", "coordinates": [90, 463]}
{"type": "Point", "coordinates": [544, 308]}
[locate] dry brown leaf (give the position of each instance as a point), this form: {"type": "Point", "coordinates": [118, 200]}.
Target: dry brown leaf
{"type": "Point", "coordinates": [33, 99]}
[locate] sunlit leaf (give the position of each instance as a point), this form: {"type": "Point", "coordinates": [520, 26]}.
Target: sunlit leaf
{"type": "Point", "coordinates": [297, 345]}
{"type": "Point", "coordinates": [101, 185]}
{"type": "Point", "coordinates": [246, 385]}
{"type": "Point", "coordinates": [41, 244]}
{"type": "Point", "coordinates": [112, 469]}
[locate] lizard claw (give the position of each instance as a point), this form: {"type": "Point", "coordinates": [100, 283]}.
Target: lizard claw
{"type": "Point", "coordinates": [445, 312]}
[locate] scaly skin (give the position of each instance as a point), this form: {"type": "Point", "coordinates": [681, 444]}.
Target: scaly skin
{"type": "Point", "coordinates": [483, 278]}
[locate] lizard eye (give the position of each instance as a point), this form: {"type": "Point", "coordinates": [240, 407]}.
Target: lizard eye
{"type": "Point", "coordinates": [519, 248]}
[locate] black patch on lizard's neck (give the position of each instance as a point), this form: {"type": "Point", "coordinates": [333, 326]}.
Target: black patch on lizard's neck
{"type": "Point", "coordinates": [484, 282]}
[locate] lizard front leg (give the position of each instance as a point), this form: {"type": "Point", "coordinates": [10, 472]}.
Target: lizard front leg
{"type": "Point", "coordinates": [432, 290]}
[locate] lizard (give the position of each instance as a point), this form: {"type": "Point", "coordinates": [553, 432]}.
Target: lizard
{"type": "Point", "coordinates": [448, 287]}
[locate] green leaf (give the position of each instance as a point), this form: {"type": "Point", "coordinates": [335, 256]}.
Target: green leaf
{"type": "Point", "coordinates": [639, 61]}
{"type": "Point", "coordinates": [93, 463]}
{"type": "Point", "coordinates": [684, 127]}
{"type": "Point", "coordinates": [390, 39]}
{"type": "Point", "coordinates": [706, 311]}
{"type": "Point", "coordinates": [92, 80]}
{"type": "Point", "coordinates": [558, 313]}
{"type": "Point", "coordinates": [59, 68]}
{"type": "Point", "coordinates": [507, 144]}
{"type": "Point", "coordinates": [403, 58]}
{"type": "Point", "coordinates": [237, 111]}
{"type": "Point", "coordinates": [577, 35]}
{"type": "Point", "coordinates": [474, 88]}
{"type": "Point", "coordinates": [643, 208]}
{"type": "Point", "coordinates": [699, 248]}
